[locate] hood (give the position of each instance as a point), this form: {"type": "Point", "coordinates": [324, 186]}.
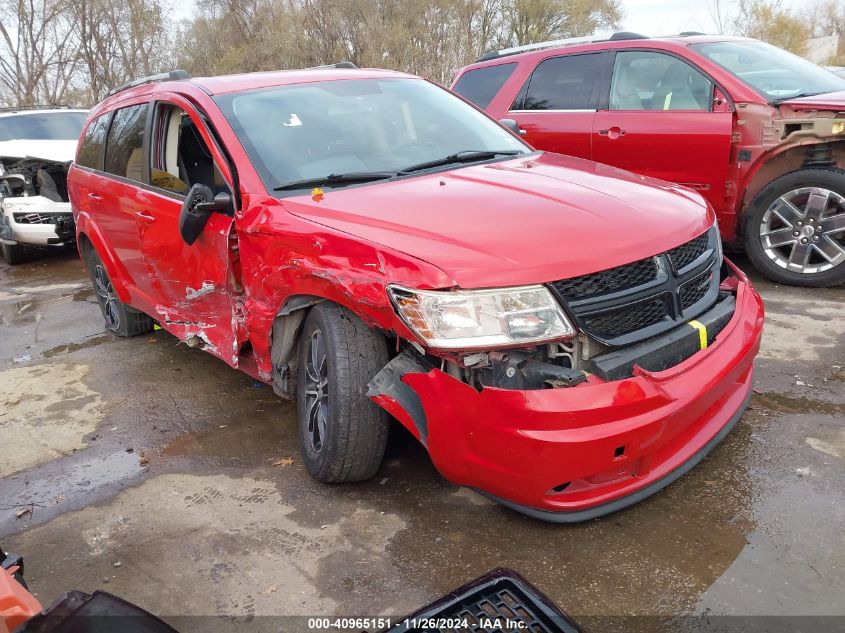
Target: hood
{"type": "Point", "coordinates": [826, 101]}
{"type": "Point", "coordinates": [521, 221]}
{"type": "Point", "coordinates": [54, 151]}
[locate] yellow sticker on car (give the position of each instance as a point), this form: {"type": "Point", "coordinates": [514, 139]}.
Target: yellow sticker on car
{"type": "Point", "coordinates": [702, 333]}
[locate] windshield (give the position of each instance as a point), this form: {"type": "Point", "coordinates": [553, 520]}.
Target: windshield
{"type": "Point", "coordinates": [771, 71]}
{"type": "Point", "coordinates": [46, 126]}
{"type": "Point", "coordinates": [314, 130]}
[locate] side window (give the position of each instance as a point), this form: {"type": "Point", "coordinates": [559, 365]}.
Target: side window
{"type": "Point", "coordinates": [644, 80]}
{"type": "Point", "coordinates": [88, 154]}
{"type": "Point", "coordinates": [482, 84]}
{"type": "Point", "coordinates": [179, 157]}
{"type": "Point", "coordinates": [563, 83]}
{"type": "Point", "coordinates": [125, 143]}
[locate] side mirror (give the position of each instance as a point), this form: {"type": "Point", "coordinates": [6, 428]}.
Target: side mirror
{"type": "Point", "coordinates": [199, 204]}
{"type": "Point", "coordinates": [513, 126]}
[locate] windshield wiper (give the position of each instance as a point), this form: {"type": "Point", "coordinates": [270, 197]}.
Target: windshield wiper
{"type": "Point", "coordinates": [465, 156]}
{"type": "Point", "coordinates": [798, 96]}
{"type": "Point", "coordinates": [336, 179]}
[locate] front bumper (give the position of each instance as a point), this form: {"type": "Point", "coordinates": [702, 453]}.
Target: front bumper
{"type": "Point", "coordinates": [571, 454]}
{"type": "Point", "coordinates": [36, 221]}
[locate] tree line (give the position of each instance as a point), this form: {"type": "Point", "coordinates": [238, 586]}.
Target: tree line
{"type": "Point", "coordinates": [75, 51]}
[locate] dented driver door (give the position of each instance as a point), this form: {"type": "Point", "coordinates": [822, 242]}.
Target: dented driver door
{"type": "Point", "coordinates": [196, 286]}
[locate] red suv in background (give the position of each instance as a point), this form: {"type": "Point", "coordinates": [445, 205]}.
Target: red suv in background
{"type": "Point", "coordinates": [757, 131]}
{"type": "Point", "coordinates": [561, 335]}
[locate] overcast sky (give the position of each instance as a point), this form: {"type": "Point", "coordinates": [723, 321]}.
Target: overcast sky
{"type": "Point", "coordinates": [668, 17]}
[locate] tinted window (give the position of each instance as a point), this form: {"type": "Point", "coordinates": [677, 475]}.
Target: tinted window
{"type": "Point", "coordinates": [482, 84]}
{"type": "Point", "coordinates": [95, 136]}
{"type": "Point", "coordinates": [46, 126]}
{"type": "Point", "coordinates": [124, 146]}
{"type": "Point", "coordinates": [643, 80]}
{"type": "Point", "coordinates": [563, 83]}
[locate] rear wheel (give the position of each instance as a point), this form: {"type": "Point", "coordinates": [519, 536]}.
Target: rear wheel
{"type": "Point", "coordinates": [342, 433]}
{"type": "Point", "coordinates": [795, 229]}
{"type": "Point", "coordinates": [120, 319]}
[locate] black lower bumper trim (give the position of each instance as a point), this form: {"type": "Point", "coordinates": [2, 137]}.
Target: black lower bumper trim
{"type": "Point", "coordinates": [635, 497]}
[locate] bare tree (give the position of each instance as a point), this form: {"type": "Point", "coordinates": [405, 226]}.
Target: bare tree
{"type": "Point", "coordinates": [770, 21]}
{"type": "Point", "coordinates": [37, 63]}
{"type": "Point", "coordinates": [538, 20]}
{"type": "Point", "coordinates": [119, 40]}
{"type": "Point", "coordinates": [720, 14]}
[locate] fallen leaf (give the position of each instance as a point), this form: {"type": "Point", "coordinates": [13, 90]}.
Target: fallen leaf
{"type": "Point", "coordinates": [22, 513]}
{"type": "Point", "coordinates": [270, 589]}
{"type": "Point", "coordinates": [285, 461]}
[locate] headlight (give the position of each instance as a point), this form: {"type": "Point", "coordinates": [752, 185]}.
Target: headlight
{"type": "Point", "coordinates": [473, 319]}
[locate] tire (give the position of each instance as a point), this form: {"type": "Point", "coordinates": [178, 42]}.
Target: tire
{"type": "Point", "coordinates": [811, 203]}
{"type": "Point", "coordinates": [15, 254]}
{"type": "Point", "coordinates": [342, 433]}
{"type": "Point", "coordinates": [120, 319]}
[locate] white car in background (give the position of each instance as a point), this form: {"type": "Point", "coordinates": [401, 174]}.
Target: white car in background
{"type": "Point", "coordinates": [37, 146]}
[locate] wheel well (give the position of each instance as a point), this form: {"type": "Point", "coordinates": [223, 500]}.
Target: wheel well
{"type": "Point", "coordinates": [85, 247]}
{"type": "Point", "coordinates": [795, 158]}
{"type": "Point", "coordinates": [284, 336]}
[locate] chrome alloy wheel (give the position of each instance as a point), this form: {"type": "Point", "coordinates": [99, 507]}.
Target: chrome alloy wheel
{"type": "Point", "coordinates": [107, 298]}
{"type": "Point", "coordinates": [804, 230]}
{"type": "Point", "coordinates": [316, 391]}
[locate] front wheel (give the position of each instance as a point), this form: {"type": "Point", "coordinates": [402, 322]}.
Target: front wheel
{"type": "Point", "coordinates": [342, 433]}
{"type": "Point", "coordinates": [120, 319]}
{"type": "Point", "coordinates": [795, 228]}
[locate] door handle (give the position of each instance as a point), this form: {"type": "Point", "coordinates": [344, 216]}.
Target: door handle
{"type": "Point", "coordinates": [94, 196]}
{"type": "Point", "coordinates": [146, 216]}
{"type": "Point", "coordinates": [613, 132]}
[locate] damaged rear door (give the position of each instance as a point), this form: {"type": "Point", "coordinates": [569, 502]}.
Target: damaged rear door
{"type": "Point", "coordinates": [198, 285]}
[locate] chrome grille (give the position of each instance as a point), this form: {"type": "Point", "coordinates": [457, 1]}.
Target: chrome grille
{"type": "Point", "coordinates": [39, 218]}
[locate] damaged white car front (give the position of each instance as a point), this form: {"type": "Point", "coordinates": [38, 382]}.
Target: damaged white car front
{"type": "Point", "coordinates": [36, 150]}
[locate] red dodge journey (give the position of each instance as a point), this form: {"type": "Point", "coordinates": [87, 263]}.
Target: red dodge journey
{"type": "Point", "coordinates": [562, 336]}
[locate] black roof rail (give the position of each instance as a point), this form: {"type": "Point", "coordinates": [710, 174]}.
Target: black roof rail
{"type": "Point", "coordinates": [627, 35]}
{"type": "Point", "coordinates": [173, 75]}
{"type": "Point", "coordinates": [344, 64]}
{"type": "Point", "coordinates": [62, 106]}
{"type": "Point", "coordinates": [569, 41]}
{"type": "Point", "coordinates": [690, 33]}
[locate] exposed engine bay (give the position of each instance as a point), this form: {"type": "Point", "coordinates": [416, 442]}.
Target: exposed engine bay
{"type": "Point", "coordinates": [34, 203]}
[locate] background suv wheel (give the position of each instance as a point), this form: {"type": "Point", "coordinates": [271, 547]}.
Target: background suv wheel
{"type": "Point", "coordinates": [795, 228]}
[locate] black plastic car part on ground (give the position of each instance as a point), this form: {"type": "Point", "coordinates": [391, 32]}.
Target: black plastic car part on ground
{"type": "Point", "coordinates": [7, 561]}
{"type": "Point", "coordinates": [100, 612]}
{"type": "Point", "coordinates": [501, 600]}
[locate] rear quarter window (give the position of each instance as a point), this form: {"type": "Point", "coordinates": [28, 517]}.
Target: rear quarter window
{"type": "Point", "coordinates": [482, 84]}
{"type": "Point", "coordinates": [92, 142]}
{"type": "Point", "coordinates": [125, 142]}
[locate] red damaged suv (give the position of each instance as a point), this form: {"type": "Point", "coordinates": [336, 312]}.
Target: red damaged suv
{"type": "Point", "coordinates": [757, 131]}
{"type": "Point", "coordinates": [560, 335]}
